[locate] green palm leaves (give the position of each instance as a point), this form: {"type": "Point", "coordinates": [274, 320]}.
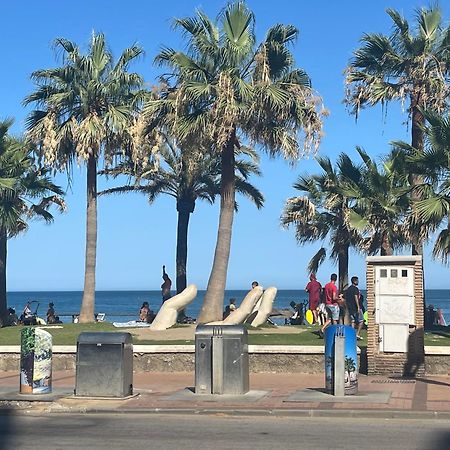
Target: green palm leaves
{"type": "Point", "coordinates": [26, 192]}
{"type": "Point", "coordinates": [226, 89]}
{"type": "Point", "coordinates": [85, 109]}
{"type": "Point", "coordinates": [408, 65]}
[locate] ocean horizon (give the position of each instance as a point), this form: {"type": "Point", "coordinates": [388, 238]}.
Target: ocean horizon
{"type": "Point", "coordinates": [124, 305]}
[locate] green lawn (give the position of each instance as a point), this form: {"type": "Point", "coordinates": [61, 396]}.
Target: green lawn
{"type": "Point", "coordinates": [69, 333]}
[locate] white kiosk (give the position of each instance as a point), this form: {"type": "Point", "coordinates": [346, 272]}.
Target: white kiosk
{"type": "Point", "coordinates": [396, 315]}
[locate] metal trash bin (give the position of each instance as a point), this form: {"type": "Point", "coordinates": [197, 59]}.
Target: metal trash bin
{"type": "Point", "coordinates": [104, 365]}
{"type": "Point", "coordinates": [221, 359]}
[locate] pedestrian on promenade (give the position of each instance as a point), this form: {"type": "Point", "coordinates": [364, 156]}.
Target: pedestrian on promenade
{"type": "Point", "coordinates": [331, 298]}
{"type": "Point", "coordinates": [353, 301]}
{"type": "Point", "coordinates": [313, 288]}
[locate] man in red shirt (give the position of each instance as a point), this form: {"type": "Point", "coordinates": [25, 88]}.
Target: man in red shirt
{"type": "Point", "coordinates": [313, 289]}
{"type": "Point", "coordinates": [331, 297]}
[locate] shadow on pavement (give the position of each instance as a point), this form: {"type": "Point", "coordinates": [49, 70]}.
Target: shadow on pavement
{"type": "Point", "coordinates": [440, 441]}
{"type": "Point", "coordinates": [6, 429]}
{"type": "Point", "coordinates": [436, 382]}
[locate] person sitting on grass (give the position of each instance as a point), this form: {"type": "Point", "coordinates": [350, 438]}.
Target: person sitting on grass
{"type": "Point", "coordinates": [229, 308]}
{"type": "Point", "coordinates": [51, 318]}
{"type": "Point", "coordinates": [143, 312]}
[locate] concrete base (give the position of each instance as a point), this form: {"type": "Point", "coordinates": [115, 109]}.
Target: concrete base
{"type": "Point", "coordinates": [188, 394]}
{"type": "Point", "coordinates": [319, 395]}
{"type": "Point", "coordinates": [6, 395]}
{"type": "Point", "coordinates": [82, 397]}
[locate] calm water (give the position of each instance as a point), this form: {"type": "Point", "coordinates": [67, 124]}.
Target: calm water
{"type": "Point", "coordinates": [122, 306]}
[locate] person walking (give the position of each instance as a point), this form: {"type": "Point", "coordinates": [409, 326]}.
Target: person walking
{"type": "Point", "coordinates": [313, 288]}
{"type": "Point", "coordinates": [331, 298]}
{"type": "Point", "coordinates": [353, 301]}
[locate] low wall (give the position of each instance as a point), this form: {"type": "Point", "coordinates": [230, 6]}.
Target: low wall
{"type": "Point", "coordinates": [262, 358]}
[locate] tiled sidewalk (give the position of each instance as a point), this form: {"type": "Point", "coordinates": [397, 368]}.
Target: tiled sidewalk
{"type": "Point", "coordinates": [426, 395]}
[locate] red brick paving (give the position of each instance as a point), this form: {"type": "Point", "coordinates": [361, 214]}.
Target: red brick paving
{"type": "Point", "coordinates": [428, 394]}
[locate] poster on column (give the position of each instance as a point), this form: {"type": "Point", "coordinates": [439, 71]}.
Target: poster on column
{"type": "Point", "coordinates": [350, 362]}
{"type": "Point", "coordinates": [35, 361]}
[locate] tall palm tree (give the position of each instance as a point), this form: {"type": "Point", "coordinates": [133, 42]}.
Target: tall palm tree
{"type": "Point", "coordinates": [225, 89]}
{"type": "Point", "coordinates": [322, 213]}
{"type": "Point", "coordinates": [85, 109]}
{"type": "Point", "coordinates": [410, 66]}
{"type": "Point", "coordinates": [26, 192]}
{"type": "Point", "coordinates": [187, 177]}
{"type": "Point", "coordinates": [380, 207]}
{"type": "Point", "coordinates": [434, 160]}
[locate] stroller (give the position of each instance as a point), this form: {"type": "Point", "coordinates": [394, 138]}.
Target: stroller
{"type": "Point", "coordinates": [31, 318]}
{"type": "Point", "coordinates": [298, 318]}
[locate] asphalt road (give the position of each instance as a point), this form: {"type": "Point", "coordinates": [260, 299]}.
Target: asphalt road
{"type": "Point", "coordinates": [132, 432]}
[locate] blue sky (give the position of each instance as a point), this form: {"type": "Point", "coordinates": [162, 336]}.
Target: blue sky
{"type": "Point", "coordinates": [135, 239]}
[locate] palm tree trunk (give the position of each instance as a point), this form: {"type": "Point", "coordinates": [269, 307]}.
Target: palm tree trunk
{"type": "Point", "coordinates": [386, 247]}
{"type": "Point", "coordinates": [213, 303]}
{"type": "Point", "coordinates": [184, 208]}
{"type": "Point", "coordinates": [3, 300]}
{"type": "Point", "coordinates": [417, 123]}
{"type": "Point", "coordinates": [182, 245]}
{"type": "Point", "coordinates": [87, 305]}
{"type": "Point", "coordinates": [343, 267]}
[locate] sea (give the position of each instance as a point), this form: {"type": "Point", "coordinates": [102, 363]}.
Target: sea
{"type": "Point", "coordinates": [122, 306]}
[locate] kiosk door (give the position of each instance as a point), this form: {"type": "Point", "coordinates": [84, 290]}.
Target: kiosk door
{"type": "Point", "coordinates": [394, 306]}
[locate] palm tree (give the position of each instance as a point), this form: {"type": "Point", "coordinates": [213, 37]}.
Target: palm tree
{"type": "Point", "coordinates": [380, 207]}
{"type": "Point", "coordinates": [226, 89]}
{"type": "Point", "coordinates": [26, 192]}
{"type": "Point", "coordinates": [406, 66]}
{"type": "Point", "coordinates": [434, 207]}
{"type": "Point", "coordinates": [322, 213]}
{"type": "Point", "coordinates": [85, 110]}
{"type": "Point", "coordinates": [187, 177]}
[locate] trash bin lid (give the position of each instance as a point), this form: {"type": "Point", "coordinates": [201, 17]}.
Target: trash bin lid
{"type": "Point", "coordinates": [221, 330]}
{"type": "Point", "coordinates": [104, 337]}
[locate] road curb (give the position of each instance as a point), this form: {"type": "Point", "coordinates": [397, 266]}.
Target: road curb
{"type": "Point", "coordinates": [301, 413]}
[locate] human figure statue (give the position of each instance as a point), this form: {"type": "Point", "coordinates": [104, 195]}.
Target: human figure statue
{"type": "Point", "coordinates": [168, 313]}
{"type": "Point", "coordinates": [313, 288]}
{"type": "Point", "coordinates": [166, 286]}
{"type": "Point", "coordinates": [265, 307]}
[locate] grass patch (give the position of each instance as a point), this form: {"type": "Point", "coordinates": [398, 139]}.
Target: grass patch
{"type": "Point", "coordinates": [307, 335]}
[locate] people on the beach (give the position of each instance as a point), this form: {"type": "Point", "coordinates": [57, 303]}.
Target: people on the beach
{"type": "Point", "coordinates": [297, 317]}
{"type": "Point", "coordinates": [229, 308]}
{"type": "Point", "coordinates": [27, 317]}
{"type": "Point", "coordinates": [146, 314]}
{"type": "Point", "coordinates": [143, 312]}
{"type": "Point", "coordinates": [51, 317]}
{"type": "Point", "coordinates": [11, 318]}
{"type": "Point", "coordinates": [353, 301]}
{"type": "Point", "coordinates": [313, 288]}
{"type": "Point", "coordinates": [166, 286]}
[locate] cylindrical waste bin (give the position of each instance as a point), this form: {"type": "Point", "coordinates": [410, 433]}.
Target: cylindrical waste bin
{"type": "Point", "coordinates": [350, 354]}
{"type": "Point", "coordinates": [221, 359]}
{"type": "Point", "coordinates": [104, 365]}
{"type": "Point", "coordinates": [35, 361]}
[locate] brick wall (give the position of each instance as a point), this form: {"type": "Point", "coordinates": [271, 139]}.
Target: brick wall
{"type": "Point", "coordinates": [396, 364]}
